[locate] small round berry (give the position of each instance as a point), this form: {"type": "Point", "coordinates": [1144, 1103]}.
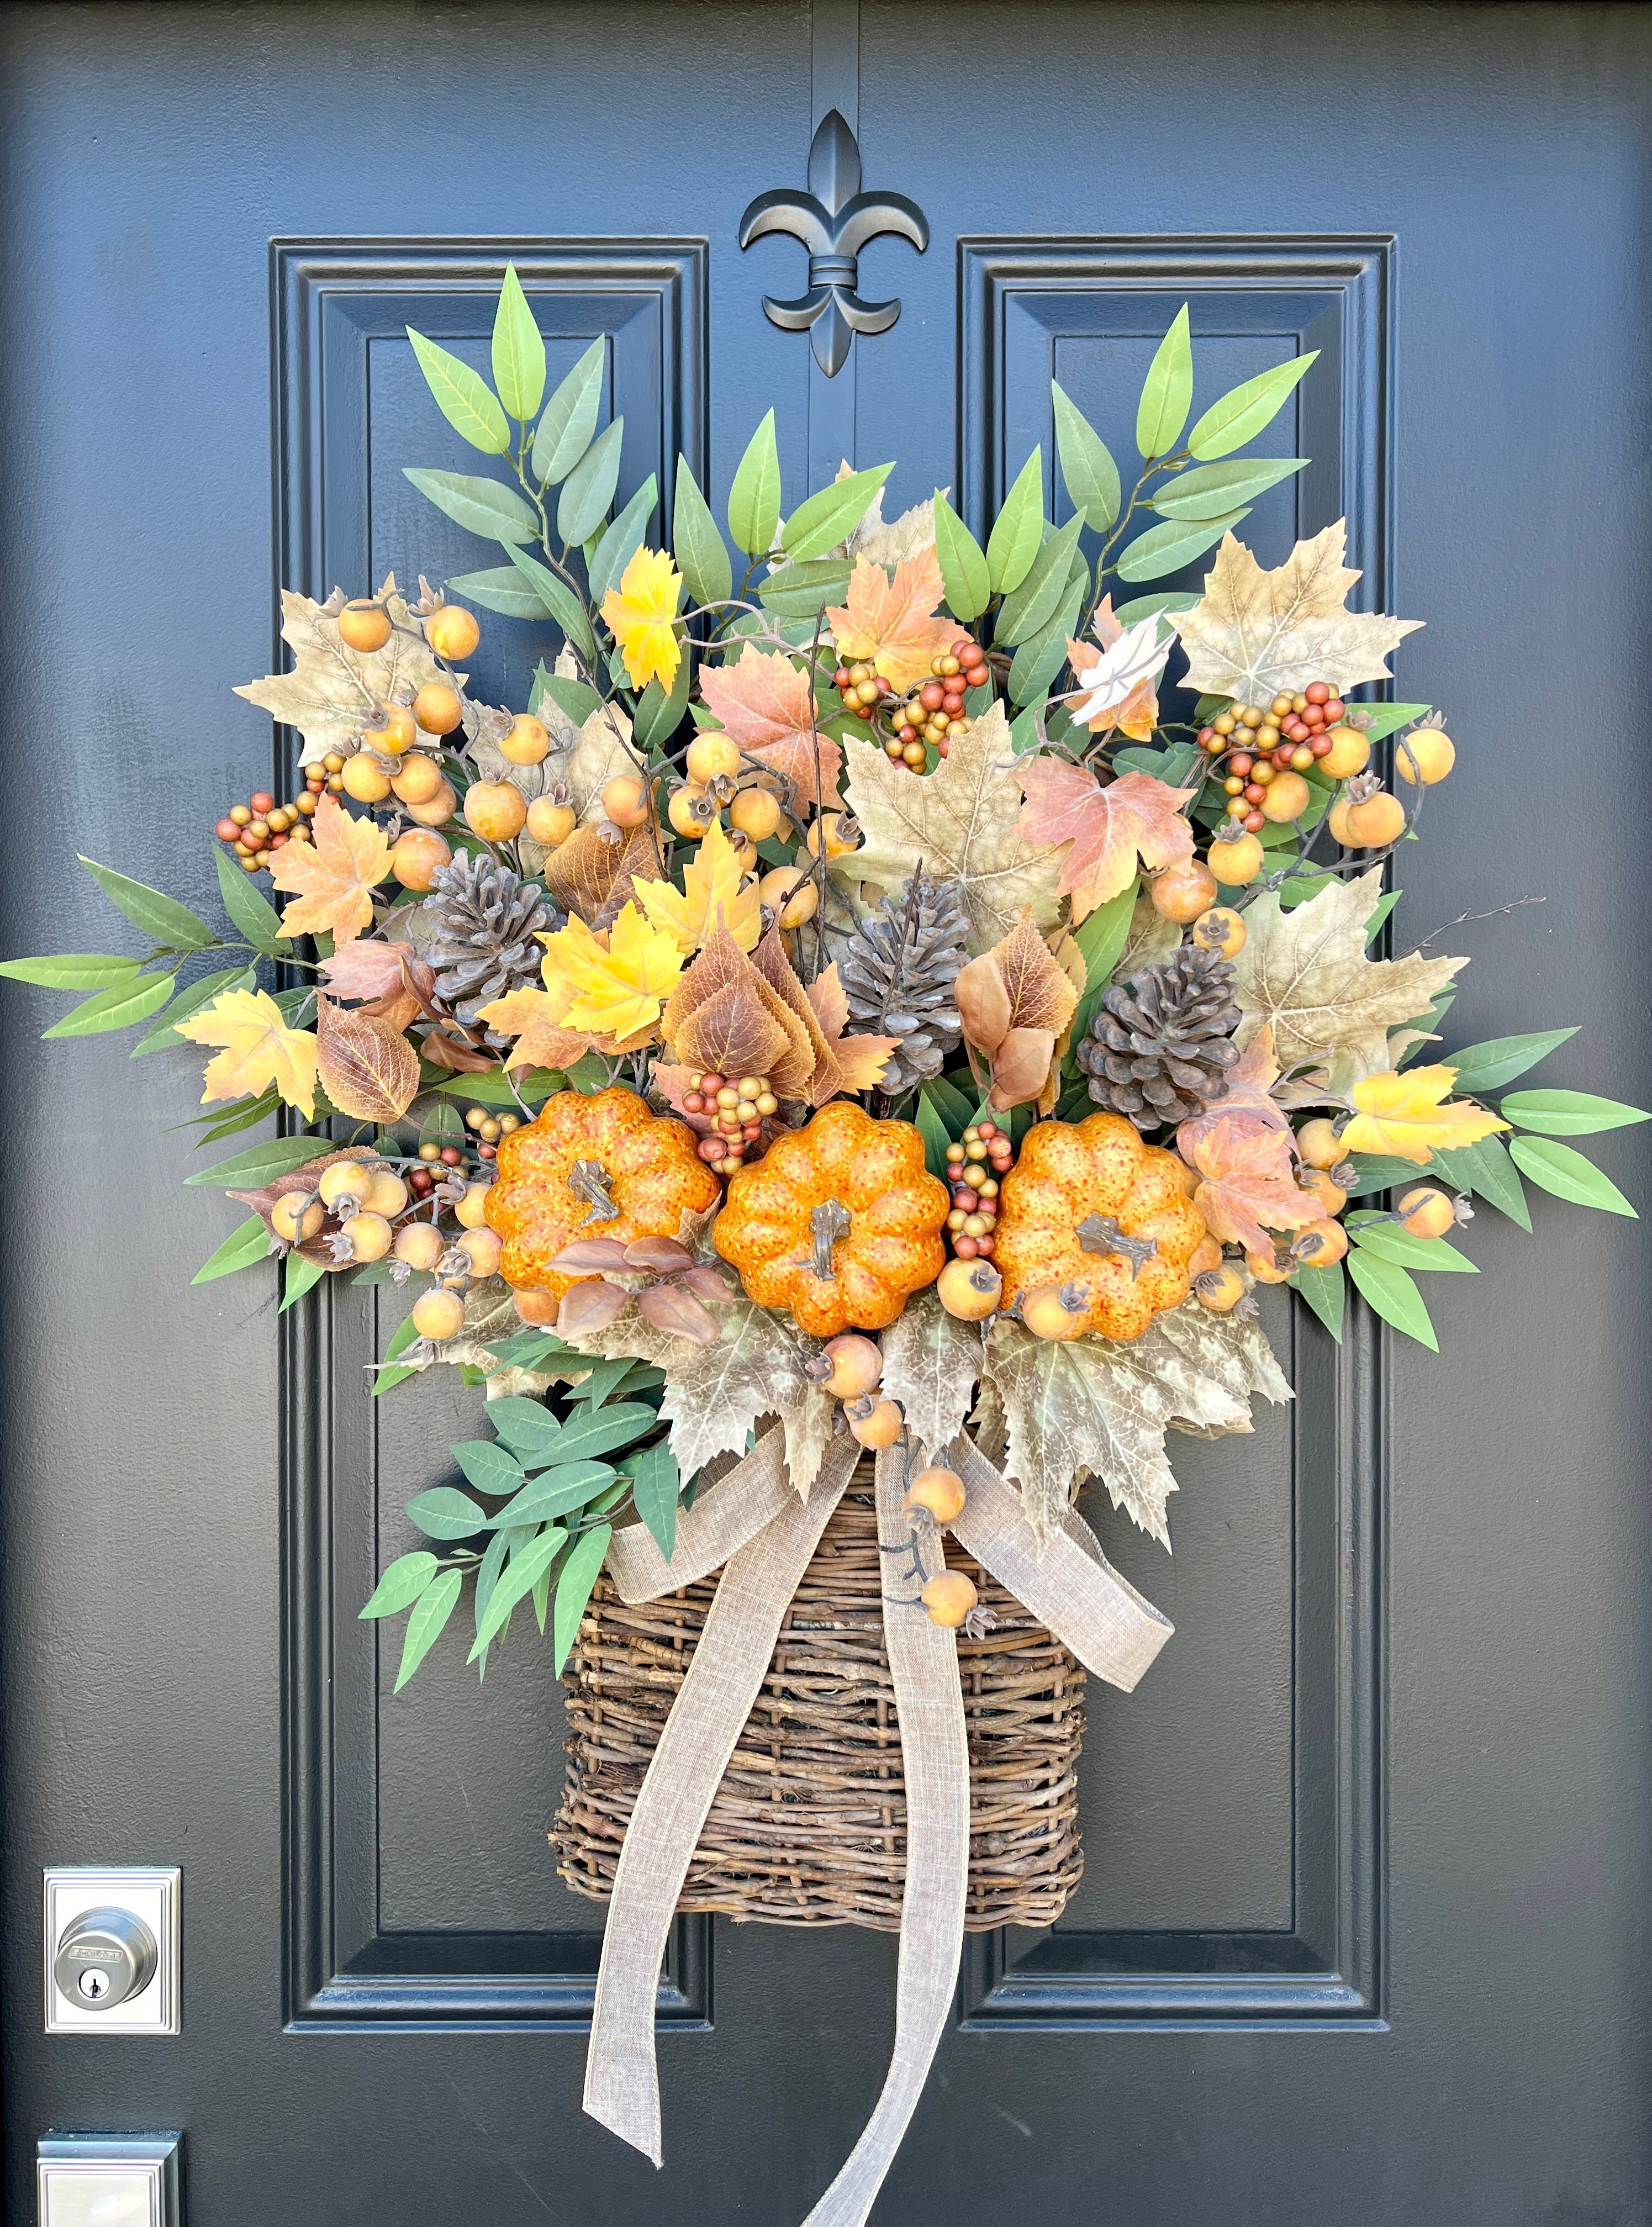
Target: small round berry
{"type": "Point", "coordinates": [1053, 1311]}
{"type": "Point", "coordinates": [483, 1247]}
{"type": "Point", "coordinates": [418, 855]}
{"type": "Point", "coordinates": [1182, 893]}
{"type": "Point", "coordinates": [438, 1315]}
{"type": "Point", "coordinates": [471, 1211]}
{"type": "Point", "coordinates": [440, 808]}
{"type": "Point", "coordinates": [525, 741]}
{"type": "Point", "coordinates": [1220, 929]}
{"type": "Point", "coordinates": [1318, 1144]}
{"type": "Point", "coordinates": [436, 708]}
{"type": "Point", "coordinates": [387, 1193]}
{"type": "Point", "coordinates": [369, 1235]}
{"type": "Point", "coordinates": [1219, 1289]}
{"type": "Point", "coordinates": [1427, 1213]}
{"type": "Point", "coordinates": [365, 780]}
{"type": "Point", "coordinates": [875, 1422]}
{"type": "Point", "coordinates": [550, 824]}
{"type": "Point", "coordinates": [711, 757]}
{"type": "Point", "coordinates": [949, 1597]}
{"type": "Point", "coordinates": [297, 1217]}
{"type": "Point", "coordinates": [495, 810]}
{"type": "Point", "coordinates": [346, 1180]}
{"type": "Point", "coordinates": [857, 1366]}
{"type": "Point", "coordinates": [625, 800]}
{"type": "Point", "coordinates": [452, 633]}
{"type": "Point", "coordinates": [1433, 752]}
{"type": "Point", "coordinates": [755, 812]}
{"type": "Point", "coordinates": [364, 627]}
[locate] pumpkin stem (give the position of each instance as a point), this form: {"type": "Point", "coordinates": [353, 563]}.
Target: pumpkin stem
{"type": "Point", "coordinates": [589, 1182]}
{"type": "Point", "coordinates": [827, 1224]}
{"type": "Point", "coordinates": [1100, 1233]}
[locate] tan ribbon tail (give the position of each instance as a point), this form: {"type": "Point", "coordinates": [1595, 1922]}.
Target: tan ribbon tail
{"type": "Point", "coordinates": [935, 1758]}
{"type": "Point", "coordinates": [1066, 1582]}
{"type": "Point", "coordinates": [622, 2078]}
{"type": "Point", "coordinates": [755, 1491]}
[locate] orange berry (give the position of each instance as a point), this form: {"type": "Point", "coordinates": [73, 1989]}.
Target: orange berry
{"type": "Point", "coordinates": [1427, 1213]}
{"type": "Point", "coordinates": [1433, 751]}
{"type": "Point", "coordinates": [438, 1315]}
{"type": "Point", "coordinates": [471, 1212]}
{"type": "Point", "coordinates": [550, 824]}
{"type": "Point", "coordinates": [398, 732]}
{"type": "Point", "coordinates": [857, 1366]}
{"type": "Point", "coordinates": [1219, 1289]}
{"type": "Point", "coordinates": [346, 1183]}
{"type": "Point", "coordinates": [1237, 862]}
{"type": "Point", "coordinates": [369, 1235]}
{"type": "Point", "coordinates": [839, 840]}
{"type": "Point", "coordinates": [495, 810]}
{"type": "Point", "coordinates": [686, 815]}
{"type": "Point", "coordinates": [526, 741]}
{"type": "Point", "coordinates": [364, 626]}
{"type": "Point", "coordinates": [970, 1290]}
{"type": "Point", "coordinates": [541, 1308]}
{"type": "Point", "coordinates": [625, 800]}
{"type": "Point", "coordinates": [437, 709]}
{"type": "Point", "coordinates": [421, 1245]}
{"type": "Point", "coordinates": [1266, 1268]}
{"type": "Point", "coordinates": [790, 896]}
{"type": "Point", "coordinates": [1220, 929]}
{"type": "Point", "coordinates": [1319, 1143]}
{"type": "Point", "coordinates": [420, 779]}
{"type": "Point", "coordinates": [452, 633]}
{"type": "Point", "coordinates": [365, 780]}
{"type": "Point", "coordinates": [1183, 892]}
{"type": "Point", "coordinates": [440, 808]}
{"type": "Point", "coordinates": [875, 1422]}
{"type": "Point", "coordinates": [483, 1248]}
{"type": "Point", "coordinates": [709, 756]}
{"type": "Point", "coordinates": [1349, 753]}
{"type": "Point", "coordinates": [1330, 1196]}
{"type": "Point", "coordinates": [1320, 1243]}
{"type": "Point", "coordinates": [1054, 1311]}
{"type": "Point", "coordinates": [949, 1598]}
{"type": "Point", "coordinates": [756, 812]}
{"type": "Point", "coordinates": [387, 1193]}
{"type": "Point", "coordinates": [1205, 1258]}
{"type": "Point", "coordinates": [1288, 799]}
{"type": "Point", "coordinates": [940, 1490]}
{"type": "Point", "coordinates": [1379, 820]}
{"type": "Point", "coordinates": [417, 857]}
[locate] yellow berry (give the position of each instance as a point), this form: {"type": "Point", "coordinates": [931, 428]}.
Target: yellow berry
{"type": "Point", "coordinates": [387, 1193]}
{"type": "Point", "coordinates": [438, 1315]}
{"type": "Point", "coordinates": [369, 1235]}
{"type": "Point", "coordinates": [421, 1245]}
{"type": "Point", "coordinates": [875, 1422]}
{"type": "Point", "coordinates": [1319, 1143]}
{"type": "Point", "coordinates": [364, 779]}
{"type": "Point", "coordinates": [437, 709]}
{"type": "Point", "coordinates": [1427, 1213]}
{"type": "Point", "coordinates": [418, 855]}
{"type": "Point", "coordinates": [687, 813]}
{"type": "Point", "coordinates": [1219, 1289]}
{"type": "Point", "coordinates": [471, 1212]}
{"type": "Point", "coordinates": [1349, 753]}
{"type": "Point", "coordinates": [1053, 1311]}
{"type": "Point", "coordinates": [1220, 929]}
{"type": "Point", "coordinates": [495, 810]}
{"type": "Point", "coordinates": [1237, 862]}
{"type": "Point", "coordinates": [364, 626]}
{"type": "Point", "coordinates": [525, 741]}
{"type": "Point", "coordinates": [550, 824]}
{"type": "Point", "coordinates": [790, 894]}
{"type": "Point", "coordinates": [970, 1290]}
{"type": "Point", "coordinates": [756, 812]}
{"type": "Point", "coordinates": [345, 1179]}
{"type": "Point", "coordinates": [940, 1490]}
{"type": "Point", "coordinates": [949, 1598]}
{"type": "Point", "coordinates": [709, 757]}
{"type": "Point", "coordinates": [1433, 752]}
{"type": "Point", "coordinates": [297, 1217]}
{"type": "Point", "coordinates": [483, 1246]}
{"type": "Point", "coordinates": [452, 633]}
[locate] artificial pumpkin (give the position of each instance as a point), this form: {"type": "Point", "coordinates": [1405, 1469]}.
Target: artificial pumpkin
{"type": "Point", "coordinates": [840, 1222]}
{"type": "Point", "coordinates": [1089, 1205]}
{"type": "Point", "coordinates": [602, 1166]}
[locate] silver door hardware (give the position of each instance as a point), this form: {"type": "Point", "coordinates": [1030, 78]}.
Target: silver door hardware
{"type": "Point", "coordinates": [109, 2180]}
{"type": "Point", "coordinates": [112, 1951]}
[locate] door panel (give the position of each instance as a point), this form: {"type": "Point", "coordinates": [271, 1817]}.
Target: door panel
{"type": "Point", "coordinates": [1363, 1928]}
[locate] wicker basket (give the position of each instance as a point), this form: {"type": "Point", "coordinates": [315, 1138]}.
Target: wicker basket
{"type": "Point", "coordinates": [808, 1827]}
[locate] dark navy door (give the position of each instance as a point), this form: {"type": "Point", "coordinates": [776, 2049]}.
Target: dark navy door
{"type": "Point", "coordinates": [1362, 1933]}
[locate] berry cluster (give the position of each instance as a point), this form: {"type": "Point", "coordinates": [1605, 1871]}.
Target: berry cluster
{"type": "Point", "coordinates": [1268, 751]}
{"type": "Point", "coordinates": [738, 1110]}
{"type": "Point", "coordinates": [260, 827]}
{"type": "Point", "coordinates": [489, 1128]}
{"type": "Point", "coordinates": [974, 1170]}
{"type": "Point", "coordinates": [935, 712]}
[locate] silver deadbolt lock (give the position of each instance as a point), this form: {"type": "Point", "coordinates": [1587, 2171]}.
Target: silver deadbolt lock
{"type": "Point", "coordinates": [104, 1956]}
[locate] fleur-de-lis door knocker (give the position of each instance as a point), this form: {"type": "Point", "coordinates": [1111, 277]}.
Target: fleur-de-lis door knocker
{"type": "Point", "coordinates": [834, 221]}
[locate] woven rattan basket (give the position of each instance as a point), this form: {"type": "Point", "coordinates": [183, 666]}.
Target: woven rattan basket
{"type": "Point", "coordinates": [808, 1827]}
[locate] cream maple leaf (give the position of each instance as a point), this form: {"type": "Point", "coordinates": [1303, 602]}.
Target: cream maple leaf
{"type": "Point", "coordinates": [335, 874]}
{"type": "Point", "coordinates": [333, 691]}
{"type": "Point", "coordinates": [258, 1050]}
{"type": "Point", "coordinates": [1134, 822]}
{"type": "Point", "coordinates": [1132, 659]}
{"type": "Point", "coordinates": [891, 622]}
{"type": "Point", "coordinates": [1254, 634]}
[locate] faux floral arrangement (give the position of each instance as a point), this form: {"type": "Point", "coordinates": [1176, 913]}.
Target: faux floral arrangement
{"type": "Point", "coordinates": [842, 1001]}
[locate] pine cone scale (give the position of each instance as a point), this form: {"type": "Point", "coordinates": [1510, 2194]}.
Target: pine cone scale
{"type": "Point", "coordinates": [1160, 1046]}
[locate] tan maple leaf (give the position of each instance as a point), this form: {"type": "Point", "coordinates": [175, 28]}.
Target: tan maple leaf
{"type": "Point", "coordinates": [762, 705]}
{"type": "Point", "coordinates": [367, 1068]}
{"type": "Point", "coordinates": [931, 1362]}
{"type": "Point", "coordinates": [335, 874]}
{"type": "Point", "coordinates": [860, 1060]}
{"type": "Point", "coordinates": [959, 822]}
{"type": "Point", "coordinates": [259, 1048]}
{"type": "Point", "coordinates": [1114, 831]}
{"type": "Point", "coordinates": [1249, 1182]}
{"type": "Point", "coordinates": [891, 623]}
{"type": "Point", "coordinates": [601, 752]}
{"type": "Point", "coordinates": [1016, 999]}
{"type": "Point", "coordinates": [1254, 634]}
{"type": "Point", "coordinates": [1305, 974]}
{"type": "Point", "coordinates": [713, 891]}
{"type": "Point", "coordinates": [333, 690]}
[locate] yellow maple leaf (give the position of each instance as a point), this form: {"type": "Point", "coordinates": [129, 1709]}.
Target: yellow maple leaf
{"type": "Point", "coordinates": [621, 977]}
{"type": "Point", "coordinates": [259, 1048]}
{"type": "Point", "coordinates": [335, 874]}
{"type": "Point", "coordinates": [712, 887]}
{"type": "Point", "coordinates": [535, 1018]}
{"type": "Point", "coordinates": [891, 623]}
{"type": "Point", "coordinates": [1405, 1115]}
{"type": "Point", "coordinates": [638, 613]}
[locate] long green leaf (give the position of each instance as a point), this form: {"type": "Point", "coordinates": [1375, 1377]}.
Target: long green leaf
{"type": "Point", "coordinates": [1166, 548]}
{"type": "Point", "coordinates": [1101, 937]}
{"type": "Point", "coordinates": [252, 913]}
{"type": "Point", "coordinates": [518, 351]}
{"type": "Point", "coordinates": [798, 591]}
{"type": "Point", "coordinates": [1568, 1112]}
{"type": "Point", "coordinates": [1390, 1242]}
{"type": "Point", "coordinates": [583, 1437]}
{"type": "Point", "coordinates": [567, 694]}
{"type": "Point", "coordinates": [557, 600]}
{"type": "Point", "coordinates": [72, 970]}
{"type": "Point", "coordinates": [250, 1171]}
{"type": "Point", "coordinates": [484, 506]}
{"type": "Point", "coordinates": [569, 418]}
{"type": "Point", "coordinates": [579, 1574]}
{"type": "Point", "coordinates": [1557, 1168]}
{"type": "Point", "coordinates": [1239, 415]}
{"type": "Point", "coordinates": [963, 563]}
{"type": "Point", "coordinates": [832, 515]}
{"type": "Point", "coordinates": [754, 499]}
{"type": "Point", "coordinates": [561, 1490]}
{"type": "Point", "coordinates": [525, 1426]}
{"type": "Point", "coordinates": [1326, 1292]}
{"type": "Point", "coordinates": [487, 1466]}
{"type": "Point", "coordinates": [1167, 392]}
{"type": "Point", "coordinates": [1089, 473]}
{"type": "Point", "coordinates": [1488, 1066]}
{"type": "Point", "coordinates": [1018, 530]}
{"type": "Point", "coordinates": [431, 1613]}
{"type": "Point", "coordinates": [444, 1512]}
{"type": "Point", "coordinates": [1035, 602]}
{"type": "Point", "coordinates": [1214, 489]}
{"type": "Point", "coordinates": [621, 540]}
{"type": "Point", "coordinates": [401, 1584]}
{"type": "Point", "coordinates": [935, 1134]}
{"type": "Point", "coordinates": [300, 1274]}
{"type": "Point", "coordinates": [245, 1246]}
{"type": "Point", "coordinates": [526, 1569]}
{"type": "Point", "coordinates": [464, 397]}
{"type": "Point", "coordinates": [164, 1037]}
{"type": "Point", "coordinates": [589, 488]}
{"type": "Point", "coordinates": [1485, 1168]}
{"type": "Point", "coordinates": [701, 553]}
{"type": "Point", "coordinates": [655, 1484]}
{"type": "Point", "coordinates": [122, 1007]}
{"type": "Point", "coordinates": [157, 914]}
{"type": "Point", "coordinates": [1390, 1293]}
{"type": "Point", "coordinates": [1041, 656]}
{"type": "Point", "coordinates": [501, 588]}
{"type": "Point", "coordinates": [388, 1375]}
{"type": "Point", "coordinates": [660, 710]}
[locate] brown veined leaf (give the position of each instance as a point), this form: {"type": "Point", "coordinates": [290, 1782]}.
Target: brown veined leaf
{"type": "Point", "coordinates": [1021, 1069]}
{"type": "Point", "coordinates": [443, 1050]}
{"type": "Point", "coordinates": [536, 1018]}
{"type": "Point", "coordinates": [259, 1048]}
{"type": "Point", "coordinates": [762, 705]}
{"type": "Point", "coordinates": [826, 1079]}
{"type": "Point", "coordinates": [1136, 820]}
{"type": "Point", "coordinates": [891, 623]}
{"type": "Point", "coordinates": [367, 1069]}
{"type": "Point", "coordinates": [860, 1060]}
{"type": "Point", "coordinates": [335, 874]}
{"type": "Point", "coordinates": [601, 751]}
{"type": "Point", "coordinates": [593, 872]}
{"type": "Point", "coordinates": [1019, 984]}
{"type": "Point", "coordinates": [1249, 1184]}
{"type": "Point", "coordinates": [725, 1018]}
{"type": "Point", "coordinates": [333, 690]}
{"type": "Point", "coordinates": [392, 982]}
{"type": "Point", "coordinates": [1254, 634]}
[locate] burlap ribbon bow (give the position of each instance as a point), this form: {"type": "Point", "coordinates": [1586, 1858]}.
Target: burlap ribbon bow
{"type": "Point", "coordinates": [756, 1529]}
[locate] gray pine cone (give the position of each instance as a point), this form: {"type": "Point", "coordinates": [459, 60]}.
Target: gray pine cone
{"type": "Point", "coordinates": [1160, 1046]}
{"type": "Point", "coordinates": [900, 973]}
{"type": "Point", "coordinates": [486, 922]}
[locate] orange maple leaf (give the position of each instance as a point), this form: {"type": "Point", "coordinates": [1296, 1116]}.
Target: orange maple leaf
{"type": "Point", "coordinates": [1250, 1186]}
{"type": "Point", "coordinates": [891, 623]}
{"type": "Point", "coordinates": [1135, 820]}
{"type": "Point", "coordinates": [860, 1060]}
{"type": "Point", "coordinates": [335, 875]}
{"type": "Point", "coordinates": [1247, 1092]}
{"type": "Point", "coordinates": [764, 704]}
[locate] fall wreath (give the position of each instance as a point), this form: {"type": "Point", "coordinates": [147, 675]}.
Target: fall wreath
{"type": "Point", "coordinates": [844, 1009]}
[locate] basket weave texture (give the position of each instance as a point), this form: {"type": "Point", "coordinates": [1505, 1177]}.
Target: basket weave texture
{"type": "Point", "coordinates": [808, 1827]}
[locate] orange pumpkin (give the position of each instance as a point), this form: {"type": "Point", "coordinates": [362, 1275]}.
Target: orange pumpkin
{"type": "Point", "coordinates": [1089, 1204]}
{"type": "Point", "coordinates": [602, 1166]}
{"type": "Point", "coordinates": [838, 1223]}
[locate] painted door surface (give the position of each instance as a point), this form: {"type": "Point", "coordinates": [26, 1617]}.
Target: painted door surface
{"type": "Point", "coordinates": [1362, 1933]}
